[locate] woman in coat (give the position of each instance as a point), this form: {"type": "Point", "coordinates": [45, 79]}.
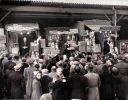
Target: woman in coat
{"type": "Point", "coordinates": [28, 74]}
{"type": "Point", "coordinates": [36, 86]}
{"type": "Point", "coordinates": [93, 84]}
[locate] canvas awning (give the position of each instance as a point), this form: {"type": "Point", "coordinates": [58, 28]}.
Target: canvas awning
{"type": "Point", "coordinates": [95, 25]}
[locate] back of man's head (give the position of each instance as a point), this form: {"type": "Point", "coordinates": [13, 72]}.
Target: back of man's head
{"type": "Point", "coordinates": [89, 59]}
{"type": "Point", "coordinates": [16, 57]}
{"type": "Point", "coordinates": [77, 69]}
{"type": "Point", "coordinates": [61, 58]}
{"type": "Point", "coordinates": [9, 57]}
{"type": "Point", "coordinates": [23, 60]}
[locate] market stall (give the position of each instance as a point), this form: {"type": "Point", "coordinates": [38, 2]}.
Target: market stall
{"type": "Point", "coordinates": [57, 39]}
{"type": "Point", "coordinates": [20, 37]}
{"type": "Point", "coordinates": [94, 33]}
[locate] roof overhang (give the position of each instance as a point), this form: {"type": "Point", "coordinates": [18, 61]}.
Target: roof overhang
{"type": "Point", "coordinates": [122, 3]}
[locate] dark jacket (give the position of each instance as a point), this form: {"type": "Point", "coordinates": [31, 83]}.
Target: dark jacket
{"type": "Point", "coordinates": [8, 73]}
{"type": "Point", "coordinates": [78, 87]}
{"type": "Point", "coordinates": [107, 87]}
{"type": "Point", "coordinates": [8, 64]}
{"type": "Point", "coordinates": [60, 90]}
{"type": "Point", "coordinates": [122, 88]}
{"type": "Point", "coordinates": [45, 82]}
{"type": "Point", "coordinates": [1, 84]}
{"type": "Point", "coordinates": [17, 85]}
{"type": "Point", "coordinates": [24, 65]}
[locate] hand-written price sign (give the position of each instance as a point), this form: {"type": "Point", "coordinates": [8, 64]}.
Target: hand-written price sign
{"type": "Point", "coordinates": [110, 28]}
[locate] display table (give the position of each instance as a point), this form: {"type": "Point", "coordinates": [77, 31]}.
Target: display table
{"type": "Point", "coordinates": [48, 51]}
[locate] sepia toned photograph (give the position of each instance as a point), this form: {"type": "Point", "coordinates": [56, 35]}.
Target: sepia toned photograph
{"type": "Point", "coordinates": [63, 49]}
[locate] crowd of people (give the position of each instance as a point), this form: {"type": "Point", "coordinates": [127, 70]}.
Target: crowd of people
{"type": "Point", "coordinates": [81, 77]}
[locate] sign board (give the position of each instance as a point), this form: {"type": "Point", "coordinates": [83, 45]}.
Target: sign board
{"type": "Point", "coordinates": [97, 48]}
{"type": "Point", "coordinates": [65, 32]}
{"type": "Point", "coordinates": [22, 27]}
{"type": "Point", "coordinates": [2, 36]}
{"type": "Point", "coordinates": [83, 33]}
{"type": "Point", "coordinates": [2, 47]}
{"type": "Point", "coordinates": [15, 50]}
{"type": "Point", "coordinates": [1, 31]}
{"type": "Point", "coordinates": [82, 46]}
{"type": "Point", "coordinates": [110, 28]}
{"type": "Point", "coordinates": [2, 50]}
{"type": "Point", "coordinates": [42, 43]}
{"type": "Point", "coordinates": [74, 31]}
{"type": "Point", "coordinates": [34, 46]}
{"type": "Point", "coordinates": [54, 52]}
{"type": "Point", "coordinates": [47, 51]}
{"type": "Point", "coordinates": [2, 39]}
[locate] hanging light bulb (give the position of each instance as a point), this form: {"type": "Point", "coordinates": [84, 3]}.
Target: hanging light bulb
{"type": "Point", "coordinates": [21, 33]}
{"type": "Point", "coordinates": [28, 32]}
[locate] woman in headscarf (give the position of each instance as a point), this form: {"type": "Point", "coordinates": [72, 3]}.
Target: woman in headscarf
{"type": "Point", "coordinates": [36, 86]}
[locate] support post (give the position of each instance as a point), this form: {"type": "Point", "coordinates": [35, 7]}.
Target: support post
{"type": "Point", "coordinates": [115, 17]}
{"type": "Point", "coordinates": [115, 24]}
{"type": "Point", "coordinates": [7, 42]}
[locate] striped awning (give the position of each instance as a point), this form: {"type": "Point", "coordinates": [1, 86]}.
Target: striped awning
{"type": "Point", "coordinates": [75, 2]}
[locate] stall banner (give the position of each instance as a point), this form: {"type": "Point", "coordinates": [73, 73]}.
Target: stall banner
{"type": "Point", "coordinates": [21, 27]}
{"type": "Point", "coordinates": [2, 36]}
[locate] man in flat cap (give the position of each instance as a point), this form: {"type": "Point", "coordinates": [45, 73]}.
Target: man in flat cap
{"type": "Point", "coordinates": [17, 83]}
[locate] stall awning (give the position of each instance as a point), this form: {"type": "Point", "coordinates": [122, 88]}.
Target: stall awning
{"type": "Point", "coordinates": [95, 25]}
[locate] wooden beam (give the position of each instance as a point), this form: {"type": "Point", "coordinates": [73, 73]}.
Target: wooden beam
{"type": "Point", "coordinates": [57, 10]}
{"type": "Point", "coordinates": [5, 16]}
